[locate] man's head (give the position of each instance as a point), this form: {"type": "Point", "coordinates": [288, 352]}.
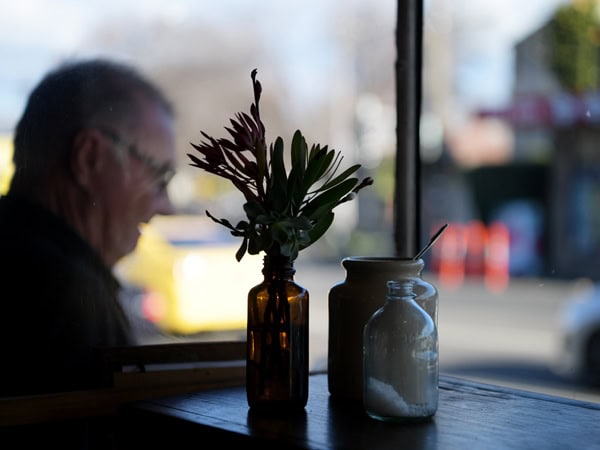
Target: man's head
{"type": "Point", "coordinates": [96, 145]}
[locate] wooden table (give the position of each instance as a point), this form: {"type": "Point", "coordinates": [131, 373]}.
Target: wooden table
{"type": "Point", "coordinates": [470, 416]}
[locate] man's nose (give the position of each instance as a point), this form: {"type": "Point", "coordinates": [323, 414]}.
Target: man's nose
{"type": "Point", "coordinates": [165, 206]}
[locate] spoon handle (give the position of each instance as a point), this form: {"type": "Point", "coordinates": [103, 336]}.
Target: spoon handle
{"type": "Point", "coordinates": [431, 241]}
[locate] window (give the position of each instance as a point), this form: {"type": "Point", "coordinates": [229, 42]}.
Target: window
{"type": "Point", "coordinates": [502, 108]}
{"type": "Point", "coordinates": [508, 131]}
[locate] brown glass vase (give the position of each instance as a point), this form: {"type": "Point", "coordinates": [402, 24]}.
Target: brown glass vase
{"type": "Point", "coordinates": [277, 339]}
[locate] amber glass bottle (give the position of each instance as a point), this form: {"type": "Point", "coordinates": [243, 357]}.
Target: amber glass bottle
{"type": "Point", "coordinates": [277, 339]}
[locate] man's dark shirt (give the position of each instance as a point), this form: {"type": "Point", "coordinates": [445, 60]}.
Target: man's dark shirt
{"type": "Point", "coordinates": [58, 304]}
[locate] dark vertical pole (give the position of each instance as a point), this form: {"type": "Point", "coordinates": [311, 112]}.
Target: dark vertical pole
{"type": "Point", "coordinates": [407, 210]}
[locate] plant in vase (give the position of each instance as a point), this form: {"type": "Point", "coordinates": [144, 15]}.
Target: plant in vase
{"type": "Point", "coordinates": [286, 211]}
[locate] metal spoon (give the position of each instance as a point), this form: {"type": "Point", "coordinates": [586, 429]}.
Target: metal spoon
{"type": "Point", "coordinates": [431, 241]}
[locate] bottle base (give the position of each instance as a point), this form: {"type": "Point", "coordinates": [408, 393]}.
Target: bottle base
{"type": "Point", "coordinates": [403, 419]}
{"type": "Point", "coordinates": [276, 409]}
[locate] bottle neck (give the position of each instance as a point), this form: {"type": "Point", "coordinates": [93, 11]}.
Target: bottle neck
{"type": "Point", "coordinates": [400, 290]}
{"type": "Point", "coordinates": [278, 267]}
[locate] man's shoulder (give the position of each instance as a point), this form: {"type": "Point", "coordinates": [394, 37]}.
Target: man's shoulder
{"type": "Point", "coordinates": [18, 213]}
{"type": "Point", "coordinates": [29, 231]}
{"type": "Point", "coordinates": [39, 254]}
{"type": "Point", "coordinates": [24, 237]}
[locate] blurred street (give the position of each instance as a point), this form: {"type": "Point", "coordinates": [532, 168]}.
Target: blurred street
{"type": "Point", "coordinates": [506, 339]}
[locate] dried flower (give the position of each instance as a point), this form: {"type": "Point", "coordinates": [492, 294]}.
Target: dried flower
{"type": "Point", "coordinates": [286, 211]}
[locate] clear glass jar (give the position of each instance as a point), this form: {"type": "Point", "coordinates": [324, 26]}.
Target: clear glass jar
{"type": "Point", "coordinates": [352, 302]}
{"type": "Point", "coordinates": [277, 339]}
{"type": "Point", "coordinates": [400, 359]}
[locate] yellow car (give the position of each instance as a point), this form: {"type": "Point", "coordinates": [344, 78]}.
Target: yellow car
{"type": "Point", "coordinates": [6, 165]}
{"type": "Point", "coordinates": [188, 277]}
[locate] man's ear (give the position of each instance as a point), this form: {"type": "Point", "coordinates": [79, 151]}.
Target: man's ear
{"type": "Point", "coordinates": [87, 158]}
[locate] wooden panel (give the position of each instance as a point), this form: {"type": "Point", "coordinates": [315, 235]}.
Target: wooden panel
{"type": "Point", "coordinates": [138, 373]}
{"type": "Point", "coordinates": [141, 355]}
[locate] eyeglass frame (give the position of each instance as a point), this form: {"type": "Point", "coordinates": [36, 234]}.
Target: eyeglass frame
{"type": "Point", "coordinates": [164, 172]}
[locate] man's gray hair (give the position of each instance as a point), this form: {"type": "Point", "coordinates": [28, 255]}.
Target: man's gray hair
{"type": "Point", "coordinates": [72, 97]}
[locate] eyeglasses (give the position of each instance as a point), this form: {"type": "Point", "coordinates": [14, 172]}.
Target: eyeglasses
{"type": "Point", "coordinates": [163, 172]}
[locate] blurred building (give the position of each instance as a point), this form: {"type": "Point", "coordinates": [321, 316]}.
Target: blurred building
{"type": "Point", "coordinates": [557, 129]}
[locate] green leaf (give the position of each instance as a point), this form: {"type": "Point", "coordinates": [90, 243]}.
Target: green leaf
{"type": "Point", "coordinates": [242, 250]}
{"type": "Point", "coordinates": [338, 179]}
{"type": "Point", "coordinates": [320, 211]}
{"type": "Point", "coordinates": [223, 222]}
{"type": "Point", "coordinates": [290, 249]}
{"type": "Point", "coordinates": [242, 225]}
{"type": "Point", "coordinates": [299, 152]}
{"type": "Point", "coordinates": [319, 229]}
{"type": "Point", "coordinates": [321, 163]}
{"type": "Point", "coordinates": [278, 171]}
{"type": "Point", "coordinates": [329, 197]}
{"type": "Point", "coordinates": [281, 232]}
{"type": "Point", "coordinates": [279, 202]}
{"type": "Point", "coordinates": [315, 168]}
{"type": "Point", "coordinates": [301, 223]}
{"type": "Point", "coordinates": [253, 209]}
{"type": "Point", "coordinates": [278, 191]}
{"type": "Point", "coordinates": [302, 238]}
{"type": "Point", "coordinates": [259, 242]}
{"type": "Point", "coordinates": [264, 219]}
{"type": "Point", "coordinates": [318, 158]}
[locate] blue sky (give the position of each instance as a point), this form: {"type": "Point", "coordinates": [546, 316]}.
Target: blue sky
{"type": "Point", "coordinates": [485, 75]}
{"type": "Point", "coordinates": [34, 34]}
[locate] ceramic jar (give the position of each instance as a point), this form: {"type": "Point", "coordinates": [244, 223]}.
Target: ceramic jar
{"type": "Point", "coordinates": [351, 304]}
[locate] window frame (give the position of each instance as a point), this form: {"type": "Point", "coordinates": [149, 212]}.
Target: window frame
{"type": "Point", "coordinates": [408, 70]}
